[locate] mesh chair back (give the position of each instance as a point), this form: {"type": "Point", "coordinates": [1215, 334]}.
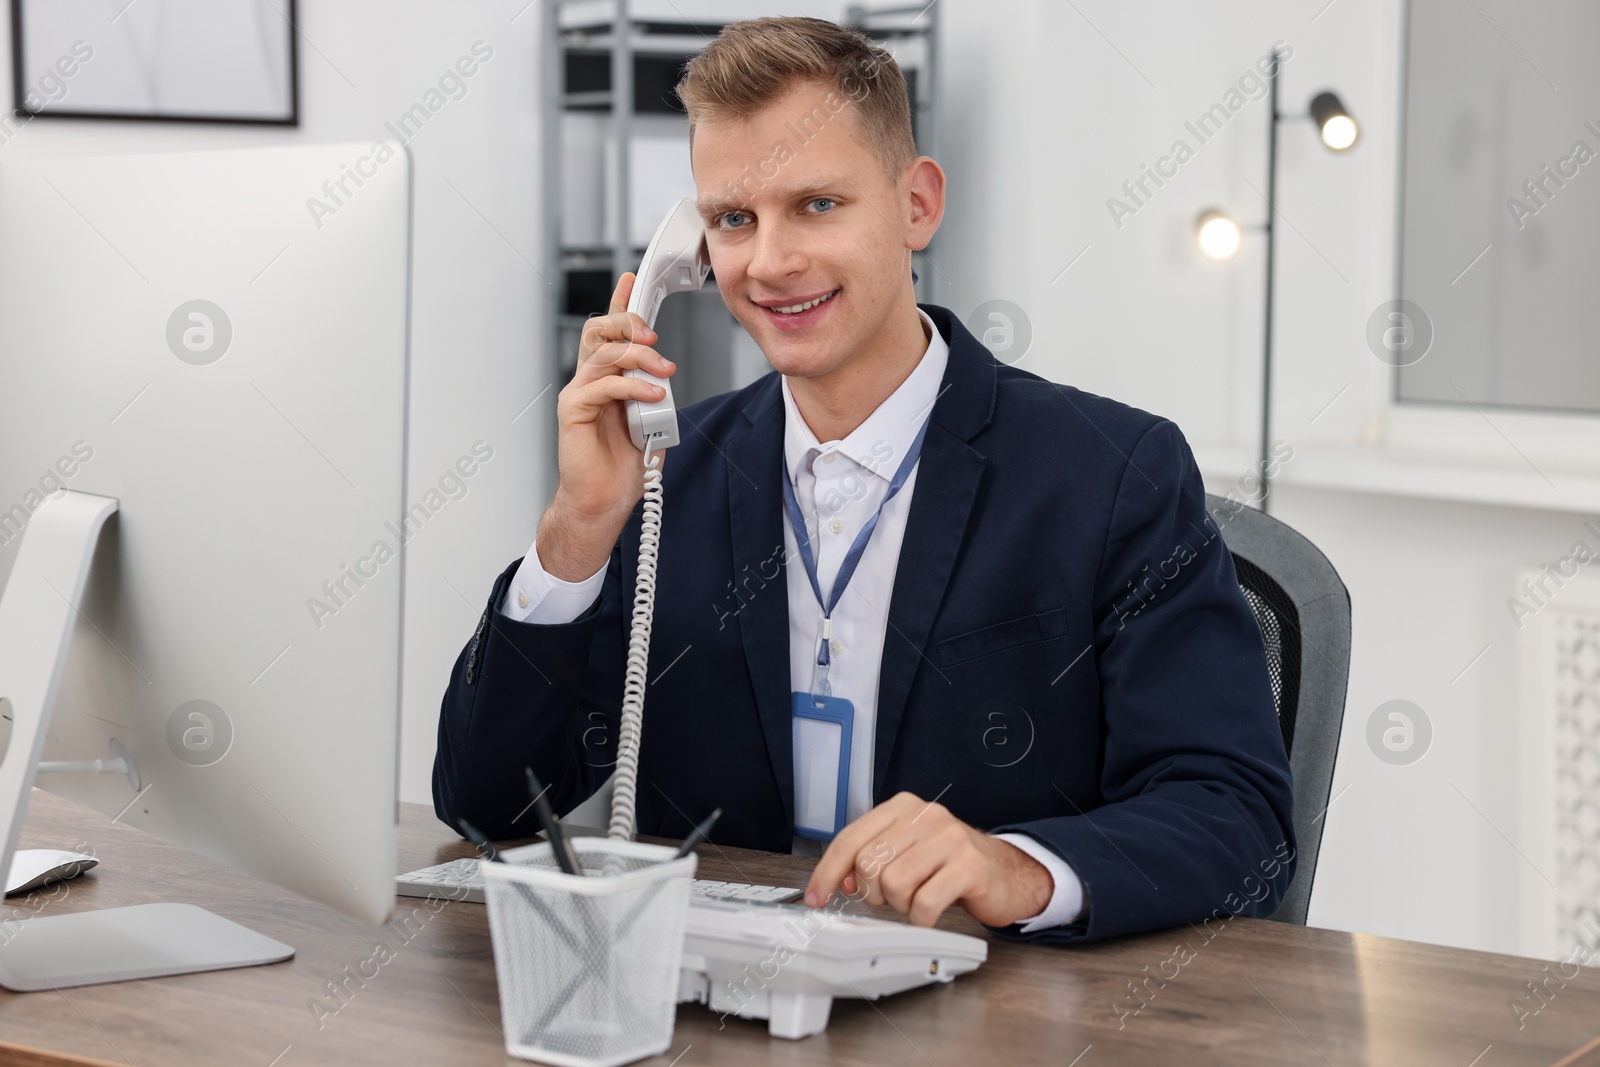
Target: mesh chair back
{"type": "Point", "coordinates": [1303, 610]}
{"type": "Point", "coordinates": [1280, 633]}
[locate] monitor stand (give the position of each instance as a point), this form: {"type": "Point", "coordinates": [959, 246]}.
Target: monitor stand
{"type": "Point", "coordinates": [37, 613]}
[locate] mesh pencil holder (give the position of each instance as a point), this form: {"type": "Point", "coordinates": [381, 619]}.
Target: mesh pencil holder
{"type": "Point", "coordinates": [588, 966]}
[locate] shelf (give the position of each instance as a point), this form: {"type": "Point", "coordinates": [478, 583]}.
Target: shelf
{"type": "Point", "coordinates": [602, 30]}
{"type": "Point", "coordinates": [581, 252]}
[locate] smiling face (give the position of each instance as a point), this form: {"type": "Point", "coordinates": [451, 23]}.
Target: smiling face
{"type": "Point", "coordinates": [792, 221]}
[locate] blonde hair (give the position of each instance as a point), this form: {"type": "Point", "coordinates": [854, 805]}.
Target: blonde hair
{"type": "Point", "coordinates": [753, 63]}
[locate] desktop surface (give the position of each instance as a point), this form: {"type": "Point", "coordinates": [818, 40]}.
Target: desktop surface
{"type": "Point", "coordinates": [1256, 993]}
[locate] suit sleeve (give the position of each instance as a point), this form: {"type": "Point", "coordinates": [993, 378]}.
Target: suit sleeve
{"type": "Point", "coordinates": [1197, 818]}
{"type": "Point", "coordinates": [523, 694]}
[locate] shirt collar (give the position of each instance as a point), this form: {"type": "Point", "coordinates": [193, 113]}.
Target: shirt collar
{"type": "Point", "coordinates": [881, 441]}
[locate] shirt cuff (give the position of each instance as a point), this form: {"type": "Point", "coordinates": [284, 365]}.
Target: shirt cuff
{"type": "Point", "coordinates": [1066, 902]}
{"type": "Point", "coordinates": [537, 596]}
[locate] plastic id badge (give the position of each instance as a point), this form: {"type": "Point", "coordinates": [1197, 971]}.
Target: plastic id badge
{"type": "Point", "coordinates": [823, 734]}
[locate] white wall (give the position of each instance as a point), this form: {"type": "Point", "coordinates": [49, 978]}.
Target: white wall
{"type": "Point", "coordinates": [1052, 107]}
{"type": "Point", "coordinates": [475, 321]}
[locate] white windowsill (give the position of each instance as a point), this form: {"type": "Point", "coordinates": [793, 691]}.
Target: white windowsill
{"type": "Point", "coordinates": [1431, 476]}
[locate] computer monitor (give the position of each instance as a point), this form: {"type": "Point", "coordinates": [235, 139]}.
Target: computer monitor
{"type": "Point", "coordinates": [209, 353]}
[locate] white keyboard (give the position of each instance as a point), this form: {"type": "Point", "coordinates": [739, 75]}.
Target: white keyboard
{"type": "Point", "coordinates": [450, 879]}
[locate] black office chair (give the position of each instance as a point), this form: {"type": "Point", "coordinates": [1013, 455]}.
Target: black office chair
{"type": "Point", "coordinates": [1303, 610]}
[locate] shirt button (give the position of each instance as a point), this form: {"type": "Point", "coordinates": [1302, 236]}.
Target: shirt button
{"type": "Point", "coordinates": [835, 647]}
{"type": "Point", "coordinates": [522, 600]}
{"type": "Point", "coordinates": [830, 457]}
{"type": "Point", "coordinates": [837, 525]}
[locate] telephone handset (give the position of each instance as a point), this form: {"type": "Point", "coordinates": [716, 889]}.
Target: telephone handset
{"type": "Point", "coordinates": [675, 262]}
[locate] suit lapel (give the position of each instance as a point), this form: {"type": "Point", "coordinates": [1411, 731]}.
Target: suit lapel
{"type": "Point", "coordinates": [947, 484]}
{"type": "Point", "coordinates": [948, 478]}
{"type": "Point", "coordinates": [755, 508]}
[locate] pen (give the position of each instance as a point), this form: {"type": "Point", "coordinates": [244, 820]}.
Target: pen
{"type": "Point", "coordinates": [476, 837]}
{"type": "Point", "coordinates": [526, 892]}
{"type": "Point", "coordinates": [698, 834]}
{"type": "Point", "coordinates": [559, 845]}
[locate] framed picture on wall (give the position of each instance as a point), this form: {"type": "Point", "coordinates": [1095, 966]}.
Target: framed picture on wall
{"type": "Point", "coordinates": [163, 60]}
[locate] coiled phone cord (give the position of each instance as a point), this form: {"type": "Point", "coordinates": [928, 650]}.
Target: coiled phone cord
{"type": "Point", "coordinates": [644, 603]}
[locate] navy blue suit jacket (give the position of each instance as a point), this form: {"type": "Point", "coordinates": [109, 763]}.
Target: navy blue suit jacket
{"type": "Point", "coordinates": [1068, 655]}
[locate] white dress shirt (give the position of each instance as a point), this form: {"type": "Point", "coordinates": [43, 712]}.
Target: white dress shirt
{"type": "Point", "coordinates": [839, 486]}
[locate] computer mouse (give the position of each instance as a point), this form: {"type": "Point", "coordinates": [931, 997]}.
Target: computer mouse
{"type": "Point", "coordinates": [35, 867]}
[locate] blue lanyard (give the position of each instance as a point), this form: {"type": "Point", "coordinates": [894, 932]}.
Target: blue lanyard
{"type": "Point", "coordinates": [820, 690]}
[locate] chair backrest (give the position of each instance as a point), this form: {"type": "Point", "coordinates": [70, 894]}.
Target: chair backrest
{"type": "Point", "coordinates": [1303, 610]}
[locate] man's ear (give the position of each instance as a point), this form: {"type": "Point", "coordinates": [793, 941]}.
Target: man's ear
{"type": "Point", "coordinates": [925, 182]}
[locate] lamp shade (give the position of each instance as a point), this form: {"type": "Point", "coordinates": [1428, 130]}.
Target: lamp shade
{"type": "Point", "coordinates": [1334, 124]}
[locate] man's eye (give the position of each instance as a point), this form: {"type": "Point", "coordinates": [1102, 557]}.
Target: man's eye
{"type": "Point", "coordinates": [731, 215]}
{"type": "Point", "coordinates": [823, 200]}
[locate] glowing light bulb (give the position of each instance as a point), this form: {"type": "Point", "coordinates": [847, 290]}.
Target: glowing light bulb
{"type": "Point", "coordinates": [1218, 235]}
{"type": "Point", "coordinates": [1339, 132]}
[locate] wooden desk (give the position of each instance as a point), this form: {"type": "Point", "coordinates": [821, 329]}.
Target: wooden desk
{"type": "Point", "coordinates": [1257, 993]}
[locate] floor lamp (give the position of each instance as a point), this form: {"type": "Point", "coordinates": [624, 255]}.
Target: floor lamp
{"type": "Point", "coordinates": [1219, 235]}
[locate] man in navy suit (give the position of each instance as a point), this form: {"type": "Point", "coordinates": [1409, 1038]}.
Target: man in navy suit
{"type": "Point", "coordinates": [967, 634]}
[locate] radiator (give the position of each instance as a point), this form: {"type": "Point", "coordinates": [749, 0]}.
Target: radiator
{"type": "Point", "coordinates": [1558, 738]}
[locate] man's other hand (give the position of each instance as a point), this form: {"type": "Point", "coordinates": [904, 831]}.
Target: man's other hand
{"type": "Point", "coordinates": [919, 859]}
